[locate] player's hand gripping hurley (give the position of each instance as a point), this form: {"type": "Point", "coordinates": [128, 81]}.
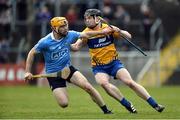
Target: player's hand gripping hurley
{"type": "Point", "coordinates": [138, 48]}
{"type": "Point", "coordinates": [63, 73]}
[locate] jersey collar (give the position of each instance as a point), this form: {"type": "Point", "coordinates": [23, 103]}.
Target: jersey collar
{"type": "Point", "coordinates": [52, 37]}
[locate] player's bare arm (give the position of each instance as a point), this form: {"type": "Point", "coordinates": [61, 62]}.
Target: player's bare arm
{"type": "Point", "coordinates": [122, 32]}
{"type": "Point", "coordinates": [29, 61]}
{"type": "Point", "coordinates": [89, 34]}
{"type": "Point", "coordinates": [125, 33]}
{"type": "Point", "coordinates": [84, 35]}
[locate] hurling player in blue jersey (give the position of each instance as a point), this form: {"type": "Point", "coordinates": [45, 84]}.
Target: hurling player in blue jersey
{"type": "Point", "coordinates": [55, 48]}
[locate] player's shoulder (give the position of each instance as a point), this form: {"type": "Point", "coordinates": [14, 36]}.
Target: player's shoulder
{"type": "Point", "coordinates": [71, 32]}
{"type": "Point", "coordinates": [86, 29]}
{"type": "Point", "coordinates": [46, 38]}
{"type": "Point", "coordinates": [103, 25]}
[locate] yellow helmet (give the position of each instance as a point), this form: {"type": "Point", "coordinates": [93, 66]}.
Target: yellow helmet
{"type": "Point", "coordinates": [58, 21]}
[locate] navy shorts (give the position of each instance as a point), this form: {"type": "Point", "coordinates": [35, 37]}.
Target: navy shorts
{"type": "Point", "coordinates": [57, 82]}
{"type": "Point", "coordinates": [110, 68]}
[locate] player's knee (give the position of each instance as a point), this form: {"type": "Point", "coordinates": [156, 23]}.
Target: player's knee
{"type": "Point", "coordinates": [88, 88]}
{"type": "Point", "coordinates": [106, 86]}
{"type": "Point", "coordinates": [63, 104]}
{"type": "Point", "coordinates": [131, 84]}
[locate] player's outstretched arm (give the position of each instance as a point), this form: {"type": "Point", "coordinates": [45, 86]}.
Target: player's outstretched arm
{"type": "Point", "coordinates": [84, 35]}
{"type": "Point", "coordinates": [126, 33]}
{"type": "Point", "coordinates": [89, 34]}
{"type": "Point", "coordinates": [29, 61]}
{"type": "Point", "coordinates": [121, 32]}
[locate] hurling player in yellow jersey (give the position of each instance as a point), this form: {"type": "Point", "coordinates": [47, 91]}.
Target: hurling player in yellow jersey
{"type": "Point", "coordinates": [105, 63]}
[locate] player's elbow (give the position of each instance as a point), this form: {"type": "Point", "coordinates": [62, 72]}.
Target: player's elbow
{"type": "Point", "coordinates": [74, 50]}
{"type": "Point", "coordinates": [84, 35]}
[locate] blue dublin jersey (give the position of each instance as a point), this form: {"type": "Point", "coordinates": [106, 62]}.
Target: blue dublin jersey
{"type": "Point", "coordinates": [56, 52]}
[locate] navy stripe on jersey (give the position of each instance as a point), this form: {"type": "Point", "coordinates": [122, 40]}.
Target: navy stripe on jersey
{"type": "Point", "coordinates": [100, 41]}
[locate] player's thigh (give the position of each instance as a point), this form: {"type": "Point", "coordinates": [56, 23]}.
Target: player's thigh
{"type": "Point", "coordinates": [102, 78]}
{"type": "Point", "coordinates": [124, 75]}
{"type": "Point", "coordinates": [78, 79]}
{"type": "Point", "coordinates": [61, 95]}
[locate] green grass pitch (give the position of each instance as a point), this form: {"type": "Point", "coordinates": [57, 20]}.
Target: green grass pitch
{"type": "Point", "coordinates": [38, 103]}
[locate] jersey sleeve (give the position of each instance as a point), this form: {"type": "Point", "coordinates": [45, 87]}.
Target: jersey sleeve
{"type": "Point", "coordinates": [39, 47]}
{"type": "Point", "coordinates": [74, 36]}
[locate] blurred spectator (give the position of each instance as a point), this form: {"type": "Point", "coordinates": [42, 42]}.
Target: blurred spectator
{"type": "Point", "coordinates": [107, 13]}
{"type": "Point", "coordinates": [4, 5]}
{"type": "Point", "coordinates": [147, 20]}
{"type": "Point", "coordinates": [108, 10]}
{"type": "Point", "coordinates": [5, 19]}
{"type": "Point", "coordinates": [109, 2]}
{"type": "Point", "coordinates": [72, 17]}
{"type": "Point", "coordinates": [122, 17]}
{"type": "Point", "coordinates": [43, 14]}
{"type": "Point", "coordinates": [4, 48]}
{"type": "Point", "coordinates": [21, 10]}
{"type": "Point", "coordinates": [92, 4]}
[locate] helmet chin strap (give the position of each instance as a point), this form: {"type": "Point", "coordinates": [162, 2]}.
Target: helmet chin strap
{"type": "Point", "coordinates": [54, 30]}
{"type": "Point", "coordinates": [97, 22]}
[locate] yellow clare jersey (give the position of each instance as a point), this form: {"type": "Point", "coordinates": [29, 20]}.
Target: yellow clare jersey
{"type": "Point", "coordinates": [101, 47]}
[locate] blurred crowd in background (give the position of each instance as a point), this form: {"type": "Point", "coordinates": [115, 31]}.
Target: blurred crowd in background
{"type": "Point", "coordinates": [24, 22]}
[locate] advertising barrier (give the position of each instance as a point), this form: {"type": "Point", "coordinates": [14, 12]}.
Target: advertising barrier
{"type": "Point", "coordinates": [13, 74]}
